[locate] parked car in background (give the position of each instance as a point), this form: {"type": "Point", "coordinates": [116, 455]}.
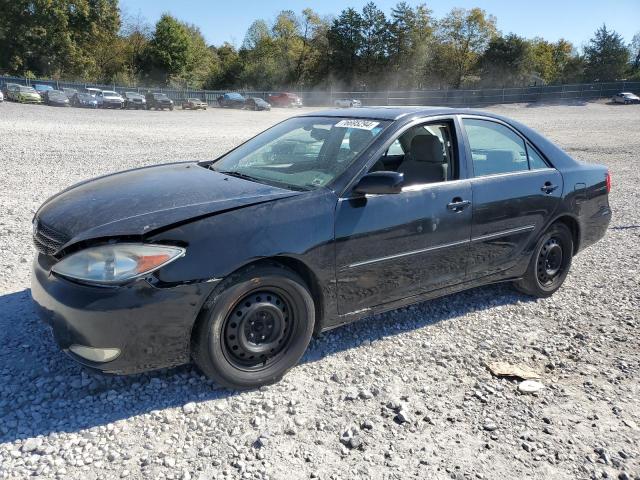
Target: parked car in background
{"type": "Point", "coordinates": [23, 94]}
{"type": "Point", "coordinates": [626, 98]}
{"type": "Point", "coordinates": [284, 99]}
{"type": "Point", "coordinates": [109, 99]}
{"type": "Point", "coordinates": [7, 86]}
{"type": "Point", "coordinates": [347, 102]}
{"type": "Point", "coordinates": [159, 101]}
{"type": "Point", "coordinates": [41, 89]}
{"type": "Point", "coordinates": [194, 104]}
{"type": "Point", "coordinates": [134, 100]}
{"type": "Point", "coordinates": [70, 92]}
{"type": "Point", "coordinates": [1, 96]}
{"type": "Point", "coordinates": [84, 100]}
{"type": "Point", "coordinates": [56, 98]}
{"type": "Point", "coordinates": [232, 100]}
{"type": "Point", "coordinates": [92, 91]}
{"type": "Point", "coordinates": [256, 103]}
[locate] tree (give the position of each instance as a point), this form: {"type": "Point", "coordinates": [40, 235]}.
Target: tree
{"type": "Point", "coordinates": [65, 38]}
{"type": "Point", "coordinates": [463, 35]}
{"type": "Point", "coordinates": [507, 61]}
{"type": "Point", "coordinates": [374, 42]}
{"type": "Point", "coordinates": [606, 56]}
{"type": "Point", "coordinates": [634, 49]}
{"type": "Point", "coordinates": [345, 42]}
{"type": "Point", "coordinates": [169, 49]}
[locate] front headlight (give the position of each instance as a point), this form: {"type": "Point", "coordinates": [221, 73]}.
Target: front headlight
{"type": "Point", "coordinates": [117, 263]}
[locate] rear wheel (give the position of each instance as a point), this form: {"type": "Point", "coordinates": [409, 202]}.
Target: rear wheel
{"type": "Point", "coordinates": [549, 264]}
{"type": "Point", "coordinates": [255, 329]}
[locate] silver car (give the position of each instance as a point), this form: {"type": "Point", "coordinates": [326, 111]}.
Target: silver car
{"type": "Point", "coordinates": [109, 99]}
{"type": "Point", "coordinates": [347, 102]}
{"type": "Point", "coordinates": [626, 98]}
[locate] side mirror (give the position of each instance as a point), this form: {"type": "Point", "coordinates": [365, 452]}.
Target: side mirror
{"type": "Point", "coordinates": [380, 183]}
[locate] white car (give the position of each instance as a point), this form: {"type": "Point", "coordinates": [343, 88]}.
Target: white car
{"type": "Point", "coordinates": [347, 102]}
{"type": "Point", "coordinates": [626, 98]}
{"type": "Point", "coordinates": [1, 96]}
{"type": "Point", "coordinates": [109, 99]}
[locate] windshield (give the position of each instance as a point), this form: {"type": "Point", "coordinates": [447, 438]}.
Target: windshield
{"type": "Point", "coordinates": [159, 96]}
{"type": "Point", "coordinates": [108, 93]}
{"type": "Point", "coordinates": [302, 153]}
{"type": "Point", "coordinates": [55, 94]}
{"type": "Point", "coordinates": [27, 89]}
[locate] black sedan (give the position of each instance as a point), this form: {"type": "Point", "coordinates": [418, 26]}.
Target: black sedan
{"type": "Point", "coordinates": [84, 100]}
{"type": "Point", "coordinates": [321, 220]}
{"type": "Point", "coordinates": [255, 103]}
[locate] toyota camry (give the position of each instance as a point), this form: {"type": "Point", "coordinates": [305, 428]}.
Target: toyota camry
{"type": "Point", "coordinates": [323, 219]}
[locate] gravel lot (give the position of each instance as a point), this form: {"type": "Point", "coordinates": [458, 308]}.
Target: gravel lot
{"type": "Point", "coordinates": [400, 395]}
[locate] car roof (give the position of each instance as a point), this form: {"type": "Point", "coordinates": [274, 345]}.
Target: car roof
{"type": "Point", "coordinates": [394, 113]}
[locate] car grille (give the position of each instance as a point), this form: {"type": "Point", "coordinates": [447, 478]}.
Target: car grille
{"type": "Point", "coordinates": [46, 240]}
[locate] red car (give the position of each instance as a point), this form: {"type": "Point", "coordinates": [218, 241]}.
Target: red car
{"type": "Point", "coordinates": [284, 99]}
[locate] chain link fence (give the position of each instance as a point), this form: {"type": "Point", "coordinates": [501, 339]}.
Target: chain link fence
{"type": "Point", "coordinates": [441, 97]}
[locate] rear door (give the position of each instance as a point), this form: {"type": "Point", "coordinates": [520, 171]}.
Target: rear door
{"type": "Point", "coordinates": [515, 191]}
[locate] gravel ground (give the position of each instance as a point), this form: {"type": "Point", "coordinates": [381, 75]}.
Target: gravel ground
{"type": "Point", "coordinates": [400, 395]}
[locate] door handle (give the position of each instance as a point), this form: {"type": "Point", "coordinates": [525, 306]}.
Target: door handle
{"type": "Point", "coordinates": [457, 204]}
{"type": "Point", "coordinates": [548, 187]}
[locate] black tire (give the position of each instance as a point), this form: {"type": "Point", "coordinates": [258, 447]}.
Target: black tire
{"type": "Point", "coordinates": [268, 301]}
{"type": "Point", "coordinates": [550, 263]}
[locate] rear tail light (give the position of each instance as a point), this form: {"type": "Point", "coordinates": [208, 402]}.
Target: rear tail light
{"type": "Point", "coordinates": [608, 181]}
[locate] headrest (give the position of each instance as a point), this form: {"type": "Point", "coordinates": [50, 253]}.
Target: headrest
{"type": "Point", "coordinates": [427, 148]}
{"type": "Point", "coordinates": [502, 160]}
{"type": "Point", "coordinates": [358, 139]}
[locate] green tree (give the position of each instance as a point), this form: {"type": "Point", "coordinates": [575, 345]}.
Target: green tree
{"type": "Point", "coordinates": [507, 61]}
{"type": "Point", "coordinates": [63, 38]}
{"type": "Point", "coordinates": [606, 56]}
{"type": "Point", "coordinates": [463, 36]}
{"type": "Point", "coordinates": [374, 43]}
{"type": "Point", "coordinates": [169, 49]}
{"type": "Point", "coordinates": [634, 49]}
{"type": "Point", "coordinates": [345, 42]}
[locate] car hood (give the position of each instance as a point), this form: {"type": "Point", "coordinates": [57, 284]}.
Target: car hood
{"type": "Point", "coordinates": [138, 202]}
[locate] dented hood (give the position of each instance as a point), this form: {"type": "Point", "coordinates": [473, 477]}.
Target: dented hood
{"type": "Point", "coordinates": [137, 202]}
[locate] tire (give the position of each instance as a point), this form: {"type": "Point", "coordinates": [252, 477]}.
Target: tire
{"type": "Point", "coordinates": [550, 263]}
{"type": "Point", "coordinates": [279, 303]}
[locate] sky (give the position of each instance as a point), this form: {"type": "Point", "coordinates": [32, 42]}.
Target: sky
{"type": "Point", "coordinates": [573, 20]}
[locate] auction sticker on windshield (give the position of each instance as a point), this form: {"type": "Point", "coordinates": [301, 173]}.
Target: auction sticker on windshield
{"type": "Point", "coordinates": [355, 123]}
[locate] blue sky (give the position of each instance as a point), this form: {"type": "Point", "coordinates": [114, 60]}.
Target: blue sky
{"type": "Point", "coordinates": [573, 20]}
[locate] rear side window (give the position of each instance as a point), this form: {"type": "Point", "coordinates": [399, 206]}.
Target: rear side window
{"type": "Point", "coordinates": [495, 148]}
{"type": "Point", "coordinates": [536, 162]}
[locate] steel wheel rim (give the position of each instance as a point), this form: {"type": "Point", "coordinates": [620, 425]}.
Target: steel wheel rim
{"type": "Point", "coordinates": [258, 329]}
{"type": "Point", "coordinates": [550, 264]}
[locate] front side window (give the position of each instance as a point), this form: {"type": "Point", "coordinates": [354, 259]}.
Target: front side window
{"type": "Point", "coordinates": [424, 154]}
{"type": "Point", "coordinates": [302, 153]}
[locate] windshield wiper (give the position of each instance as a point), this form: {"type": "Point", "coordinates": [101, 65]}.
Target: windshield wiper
{"type": "Point", "coordinates": [244, 176]}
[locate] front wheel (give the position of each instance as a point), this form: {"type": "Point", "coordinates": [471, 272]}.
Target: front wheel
{"type": "Point", "coordinates": [549, 264]}
{"type": "Point", "coordinates": [255, 328]}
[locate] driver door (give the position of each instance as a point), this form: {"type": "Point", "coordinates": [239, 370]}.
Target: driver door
{"type": "Point", "coordinates": [394, 246]}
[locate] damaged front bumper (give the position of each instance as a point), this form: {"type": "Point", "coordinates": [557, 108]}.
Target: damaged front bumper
{"type": "Point", "coordinates": [125, 329]}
